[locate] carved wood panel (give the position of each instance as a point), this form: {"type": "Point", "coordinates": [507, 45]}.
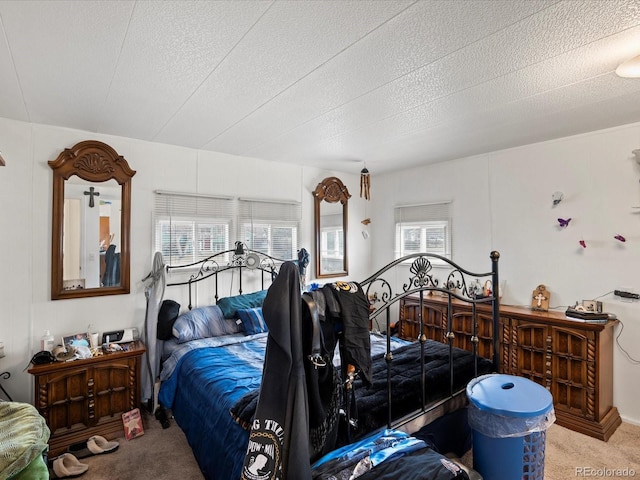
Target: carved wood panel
{"type": "Point", "coordinates": [63, 401]}
{"type": "Point", "coordinates": [573, 360]}
{"type": "Point", "coordinates": [436, 328]}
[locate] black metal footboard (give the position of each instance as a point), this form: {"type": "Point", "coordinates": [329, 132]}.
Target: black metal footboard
{"type": "Point", "coordinates": [414, 275]}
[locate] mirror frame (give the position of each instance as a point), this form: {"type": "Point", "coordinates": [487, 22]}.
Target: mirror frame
{"type": "Point", "coordinates": [331, 190]}
{"type": "Point", "coordinates": [92, 161]}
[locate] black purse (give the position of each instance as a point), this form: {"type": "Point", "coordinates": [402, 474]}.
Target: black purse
{"type": "Point", "coordinates": [42, 358]}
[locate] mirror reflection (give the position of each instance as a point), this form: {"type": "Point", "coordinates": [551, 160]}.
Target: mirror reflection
{"type": "Point", "coordinates": [331, 200]}
{"type": "Point", "coordinates": [92, 234]}
{"type": "Point", "coordinates": [331, 238]}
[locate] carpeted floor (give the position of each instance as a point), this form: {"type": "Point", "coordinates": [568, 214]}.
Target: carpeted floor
{"type": "Point", "coordinates": [164, 453]}
{"type": "Point", "coordinates": [573, 455]}
{"type": "Point", "coordinates": [158, 454]}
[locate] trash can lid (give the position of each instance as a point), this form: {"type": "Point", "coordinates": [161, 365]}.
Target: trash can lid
{"type": "Point", "coordinates": [509, 396]}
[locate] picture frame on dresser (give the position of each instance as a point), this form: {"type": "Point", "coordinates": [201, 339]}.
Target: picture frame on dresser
{"type": "Point", "coordinates": [76, 340]}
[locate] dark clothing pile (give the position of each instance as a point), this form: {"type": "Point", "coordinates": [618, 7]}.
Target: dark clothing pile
{"type": "Point", "coordinates": [281, 417]}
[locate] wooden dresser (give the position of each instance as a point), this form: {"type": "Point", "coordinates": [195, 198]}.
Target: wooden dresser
{"type": "Point", "coordinates": [573, 360]}
{"type": "Point", "coordinates": [87, 397]}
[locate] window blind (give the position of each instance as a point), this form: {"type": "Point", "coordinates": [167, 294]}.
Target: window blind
{"type": "Point", "coordinates": [270, 226]}
{"type": "Point", "coordinates": [423, 227]}
{"type": "Point", "coordinates": [190, 227]}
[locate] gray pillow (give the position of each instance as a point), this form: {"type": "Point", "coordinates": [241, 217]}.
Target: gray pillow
{"type": "Point", "coordinates": [203, 322]}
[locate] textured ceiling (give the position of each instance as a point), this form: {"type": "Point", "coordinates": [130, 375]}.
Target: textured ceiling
{"type": "Point", "coordinates": [335, 84]}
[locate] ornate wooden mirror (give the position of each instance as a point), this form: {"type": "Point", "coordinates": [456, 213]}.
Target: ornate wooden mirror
{"type": "Point", "coordinates": [91, 222]}
{"type": "Point", "coordinates": [331, 199]}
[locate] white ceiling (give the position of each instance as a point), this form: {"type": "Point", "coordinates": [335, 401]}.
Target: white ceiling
{"type": "Point", "coordinates": [335, 84]}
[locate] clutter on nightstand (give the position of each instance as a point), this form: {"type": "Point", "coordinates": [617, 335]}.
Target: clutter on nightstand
{"type": "Point", "coordinates": [112, 347]}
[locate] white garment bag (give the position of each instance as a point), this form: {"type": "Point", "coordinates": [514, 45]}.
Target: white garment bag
{"type": "Point", "coordinates": [155, 284]}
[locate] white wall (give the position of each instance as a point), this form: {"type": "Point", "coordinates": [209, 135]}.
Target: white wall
{"type": "Point", "coordinates": [16, 258]}
{"type": "Point", "coordinates": [502, 201]}
{"type": "Point", "coordinates": [25, 223]}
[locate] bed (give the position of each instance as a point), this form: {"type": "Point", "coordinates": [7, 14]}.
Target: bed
{"type": "Point", "coordinates": [212, 368]}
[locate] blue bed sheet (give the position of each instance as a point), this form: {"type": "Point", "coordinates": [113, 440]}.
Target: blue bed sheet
{"type": "Point", "coordinates": [204, 385]}
{"type": "Point", "coordinates": [203, 379]}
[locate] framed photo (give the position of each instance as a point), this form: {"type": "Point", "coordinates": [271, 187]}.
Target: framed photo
{"type": "Point", "coordinates": [77, 340]}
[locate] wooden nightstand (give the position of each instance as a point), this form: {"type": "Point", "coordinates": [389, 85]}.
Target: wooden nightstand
{"type": "Point", "coordinates": [87, 397]}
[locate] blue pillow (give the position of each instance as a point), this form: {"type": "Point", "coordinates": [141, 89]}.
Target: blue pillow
{"type": "Point", "coordinates": [252, 320]}
{"type": "Point", "coordinates": [230, 305]}
{"type": "Point", "coordinates": [203, 322]}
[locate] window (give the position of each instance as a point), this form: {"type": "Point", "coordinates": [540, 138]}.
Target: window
{"type": "Point", "coordinates": [189, 227]}
{"type": "Point", "coordinates": [271, 227]}
{"type": "Point", "coordinates": [423, 228]}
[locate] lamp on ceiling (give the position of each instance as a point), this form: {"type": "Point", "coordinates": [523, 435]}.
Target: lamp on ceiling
{"type": "Point", "coordinates": [630, 68]}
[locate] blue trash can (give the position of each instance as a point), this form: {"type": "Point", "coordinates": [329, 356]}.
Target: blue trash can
{"type": "Point", "coordinates": [509, 417]}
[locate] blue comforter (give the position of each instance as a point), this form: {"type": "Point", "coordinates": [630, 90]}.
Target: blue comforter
{"type": "Point", "coordinates": [205, 383]}
{"type": "Point", "coordinates": [203, 379]}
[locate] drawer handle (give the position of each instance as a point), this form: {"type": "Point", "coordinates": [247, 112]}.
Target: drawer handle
{"type": "Point", "coordinates": [69, 400]}
{"type": "Point", "coordinates": [111, 390]}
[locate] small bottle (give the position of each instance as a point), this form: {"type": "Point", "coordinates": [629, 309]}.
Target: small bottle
{"type": "Point", "coordinates": [47, 341]}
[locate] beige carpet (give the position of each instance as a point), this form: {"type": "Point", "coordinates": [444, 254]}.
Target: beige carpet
{"type": "Point", "coordinates": [573, 455]}
{"type": "Point", "coordinates": [158, 454]}
{"type": "Point", "coordinates": [165, 454]}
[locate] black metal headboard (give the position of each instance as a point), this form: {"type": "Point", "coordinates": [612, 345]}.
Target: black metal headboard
{"type": "Point", "coordinates": [237, 259]}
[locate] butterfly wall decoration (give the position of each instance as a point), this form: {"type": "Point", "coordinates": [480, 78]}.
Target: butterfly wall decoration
{"type": "Point", "coordinates": [557, 197]}
{"type": "Point", "coordinates": [564, 222]}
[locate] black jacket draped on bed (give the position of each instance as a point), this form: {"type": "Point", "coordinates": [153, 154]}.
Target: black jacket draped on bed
{"type": "Point", "coordinates": [290, 379]}
{"type": "Point", "coordinates": [281, 413]}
